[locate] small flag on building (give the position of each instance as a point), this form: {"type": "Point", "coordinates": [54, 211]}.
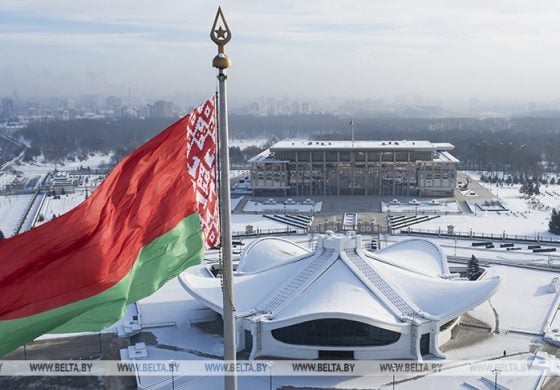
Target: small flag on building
{"type": "Point", "coordinates": [146, 223]}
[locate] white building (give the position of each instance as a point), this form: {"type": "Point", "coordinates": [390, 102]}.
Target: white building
{"type": "Point", "coordinates": [342, 301]}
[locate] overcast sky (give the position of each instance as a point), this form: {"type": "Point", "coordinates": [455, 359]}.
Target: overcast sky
{"type": "Point", "coordinates": [500, 50]}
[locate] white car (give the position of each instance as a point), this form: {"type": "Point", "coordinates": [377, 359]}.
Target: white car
{"type": "Point", "coordinates": [308, 201]}
{"type": "Point", "coordinates": [395, 201]}
{"type": "Point", "coordinates": [270, 201]}
{"type": "Point", "coordinates": [414, 202]}
{"type": "Point", "coordinates": [290, 201]}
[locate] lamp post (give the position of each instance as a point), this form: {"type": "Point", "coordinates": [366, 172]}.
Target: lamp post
{"type": "Point", "coordinates": [455, 246]}
{"type": "Point", "coordinates": [495, 371]}
{"type": "Point", "coordinates": [172, 368]}
{"type": "Point", "coordinates": [269, 364]}
{"type": "Point", "coordinates": [393, 369]}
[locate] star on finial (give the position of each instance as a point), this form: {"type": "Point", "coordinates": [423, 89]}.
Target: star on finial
{"type": "Point", "coordinates": [220, 32]}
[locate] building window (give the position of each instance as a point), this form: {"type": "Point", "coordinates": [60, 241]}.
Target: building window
{"type": "Point", "coordinates": [317, 156]}
{"type": "Point", "coordinates": [335, 332]}
{"type": "Point", "coordinates": [387, 156]}
{"type": "Point", "coordinates": [345, 156]}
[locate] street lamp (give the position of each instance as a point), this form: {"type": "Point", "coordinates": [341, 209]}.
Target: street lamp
{"type": "Point", "coordinates": [172, 368]}
{"type": "Point", "coordinates": [269, 364]}
{"type": "Point", "coordinates": [393, 369]}
{"type": "Point", "coordinates": [495, 371]}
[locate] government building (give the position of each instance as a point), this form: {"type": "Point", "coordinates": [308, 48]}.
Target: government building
{"type": "Point", "coordinates": [305, 168]}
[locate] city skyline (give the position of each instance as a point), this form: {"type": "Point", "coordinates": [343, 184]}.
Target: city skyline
{"type": "Point", "coordinates": [444, 53]}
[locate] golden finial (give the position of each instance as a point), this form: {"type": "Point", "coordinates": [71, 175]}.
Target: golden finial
{"type": "Point", "coordinates": [220, 35]}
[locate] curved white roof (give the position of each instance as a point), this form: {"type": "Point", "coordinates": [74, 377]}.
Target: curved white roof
{"type": "Point", "coordinates": [337, 294]}
{"type": "Point", "coordinates": [423, 256]}
{"type": "Point", "coordinates": [268, 252]}
{"type": "Point", "coordinates": [392, 287]}
{"type": "Point", "coordinates": [442, 298]}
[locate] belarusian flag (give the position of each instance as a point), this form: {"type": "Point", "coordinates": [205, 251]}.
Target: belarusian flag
{"type": "Point", "coordinates": [146, 223]}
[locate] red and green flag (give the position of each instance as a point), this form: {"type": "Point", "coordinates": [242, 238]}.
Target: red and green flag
{"type": "Point", "coordinates": [148, 221]}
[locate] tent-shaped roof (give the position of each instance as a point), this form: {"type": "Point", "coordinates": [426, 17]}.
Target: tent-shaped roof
{"type": "Point", "coordinates": [286, 283]}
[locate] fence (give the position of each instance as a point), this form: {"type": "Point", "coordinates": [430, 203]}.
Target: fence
{"type": "Point", "coordinates": [482, 236]}
{"type": "Point", "coordinates": [257, 232]}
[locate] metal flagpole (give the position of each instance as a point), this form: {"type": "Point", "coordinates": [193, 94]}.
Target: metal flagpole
{"type": "Point", "coordinates": [221, 35]}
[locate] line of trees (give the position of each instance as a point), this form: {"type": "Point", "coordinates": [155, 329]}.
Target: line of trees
{"type": "Point", "coordinates": [525, 146]}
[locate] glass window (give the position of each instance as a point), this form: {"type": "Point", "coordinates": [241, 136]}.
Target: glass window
{"type": "Point", "coordinates": [387, 156]}
{"type": "Point", "coordinates": [335, 332]}
{"type": "Point", "coordinates": [344, 156]}
{"type": "Point", "coordinates": [317, 156]}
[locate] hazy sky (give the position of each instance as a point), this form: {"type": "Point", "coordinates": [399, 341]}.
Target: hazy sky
{"type": "Point", "coordinates": [505, 49]}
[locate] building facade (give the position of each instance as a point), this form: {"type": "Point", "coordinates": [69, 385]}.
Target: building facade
{"type": "Point", "coordinates": [305, 168]}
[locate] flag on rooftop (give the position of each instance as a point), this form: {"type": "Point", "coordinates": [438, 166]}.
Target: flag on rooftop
{"type": "Point", "coordinates": [147, 222]}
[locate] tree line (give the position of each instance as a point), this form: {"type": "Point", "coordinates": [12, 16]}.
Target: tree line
{"type": "Point", "coordinates": [516, 145]}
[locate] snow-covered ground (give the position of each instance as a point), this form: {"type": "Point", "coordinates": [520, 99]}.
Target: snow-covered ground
{"type": "Point", "coordinates": [6, 179]}
{"type": "Point", "coordinates": [421, 207]}
{"type": "Point", "coordinates": [233, 173]}
{"type": "Point", "coordinates": [56, 207]}
{"type": "Point", "coordinates": [12, 210]}
{"type": "Point", "coordinates": [39, 166]}
{"type": "Point", "coordinates": [261, 207]}
{"type": "Point", "coordinates": [240, 222]}
{"type": "Point", "coordinates": [245, 143]}
{"type": "Point", "coordinates": [525, 216]}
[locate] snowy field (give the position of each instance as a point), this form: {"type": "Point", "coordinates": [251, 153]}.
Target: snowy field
{"type": "Point", "coordinates": [240, 222]}
{"type": "Point", "coordinates": [52, 207]}
{"type": "Point", "coordinates": [233, 173]}
{"type": "Point", "coordinates": [525, 216]}
{"type": "Point", "coordinates": [6, 179]}
{"type": "Point", "coordinates": [422, 207]}
{"type": "Point", "coordinates": [40, 167]}
{"type": "Point", "coordinates": [261, 207]}
{"type": "Point", "coordinates": [245, 143]}
{"type": "Point", "coordinates": [12, 210]}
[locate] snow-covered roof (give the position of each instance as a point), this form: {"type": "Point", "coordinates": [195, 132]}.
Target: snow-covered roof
{"type": "Point", "coordinates": [362, 145]}
{"type": "Point", "coordinates": [282, 282]}
{"type": "Point", "coordinates": [275, 251]}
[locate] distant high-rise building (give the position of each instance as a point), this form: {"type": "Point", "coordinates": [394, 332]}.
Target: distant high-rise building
{"type": "Point", "coordinates": [7, 107]}
{"type": "Point", "coordinates": [162, 109]}
{"type": "Point", "coordinates": [295, 108]}
{"type": "Point", "coordinates": [89, 103]}
{"type": "Point", "coordinates": [69, 104]}
{"type": "Point", "coordinates": [113, 103]}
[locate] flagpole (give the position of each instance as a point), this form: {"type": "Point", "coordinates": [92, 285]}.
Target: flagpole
{"type": "Point", "coordinates": [221, 35]}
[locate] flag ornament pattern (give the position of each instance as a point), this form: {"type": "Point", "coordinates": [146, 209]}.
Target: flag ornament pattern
{"type": "Point", "coordinates": [201, 164]}
{"type": "Point", "coordinates": [146, 223]}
